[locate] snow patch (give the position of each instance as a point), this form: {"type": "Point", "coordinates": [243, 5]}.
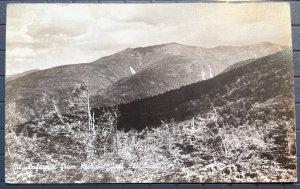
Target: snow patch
{"type": "Point", "coordinates": [210, 72]}
{"type": "Point", "coordinates": [203, 75]}
{"type": "Point", "coordinates": [132, 71]}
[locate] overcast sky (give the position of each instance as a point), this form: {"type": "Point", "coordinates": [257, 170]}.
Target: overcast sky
{"type": "Point", "coordinates": [40, 36]}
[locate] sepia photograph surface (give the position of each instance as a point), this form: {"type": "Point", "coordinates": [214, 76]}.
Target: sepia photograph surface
{"type": "Point", "coordinates": [149, 93]}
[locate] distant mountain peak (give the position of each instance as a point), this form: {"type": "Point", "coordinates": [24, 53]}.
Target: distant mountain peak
{"type": "Point", "coordinates": [17, 75]}
{"type": "Point", "coordinates": [128, 49]}
{"type": "Point", "coordinates": [173, 43]}
{"type": "Point", "coordinates": [175, 47]}
{"type": "Point", "coordinates": [266, 43]}
{"type": "Point", "coordinates": [132, 74]}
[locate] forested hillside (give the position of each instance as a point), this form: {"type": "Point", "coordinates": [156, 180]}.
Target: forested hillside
{"type": "Point", "coordinates": [249, 82]}
{"type": "Point", "coordinates": [235, 127]}
{"type": "Point", "coordinates": [125, 76]}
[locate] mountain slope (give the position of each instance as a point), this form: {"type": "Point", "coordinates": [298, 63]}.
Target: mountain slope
{"type": "Point", "coordinates": [264, 80]}
{"type": "Point", "coordinates": [174, 65]}
{"type": "Point", "coordinates": [16, 76]}
{"type": "Point", "coordinates": [111, 79]}
{"type": "Point", "coordinates": [26, 93]}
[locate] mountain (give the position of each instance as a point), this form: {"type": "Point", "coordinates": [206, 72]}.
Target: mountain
{"type": "Point", "coordinates": [15, 76]}
{"type": "Point", "coordinates": [262, 84]}
{"type": "Point", "coordinates": [126, 76]}
{"type": "Point", "coordinates": [170, 66]}
{"type": "Point", "coordinates": [25, 95]}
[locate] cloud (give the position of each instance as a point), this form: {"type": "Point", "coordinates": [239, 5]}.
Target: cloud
{"type": "Point", "coordinates": [22, 53]}
{"type": "Point", "coordinates": [45, 35]}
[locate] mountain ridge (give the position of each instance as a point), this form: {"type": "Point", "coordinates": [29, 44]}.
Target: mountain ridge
{"type": "Point", "coordinates": [271, 73]}
{"type": "Point", "coordinates": [157, 68]}
{"type": "Point", "coordinates": [198, 66]}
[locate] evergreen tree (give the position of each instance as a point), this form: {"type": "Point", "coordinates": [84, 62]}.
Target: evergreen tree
{"type": "Point", "coordinates": [78, 108]}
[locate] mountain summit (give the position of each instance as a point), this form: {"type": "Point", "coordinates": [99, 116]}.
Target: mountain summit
{"type": "Point", "coordinates": [161, 68]}
{"type": "Point", "coordinates": [111, 81]}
